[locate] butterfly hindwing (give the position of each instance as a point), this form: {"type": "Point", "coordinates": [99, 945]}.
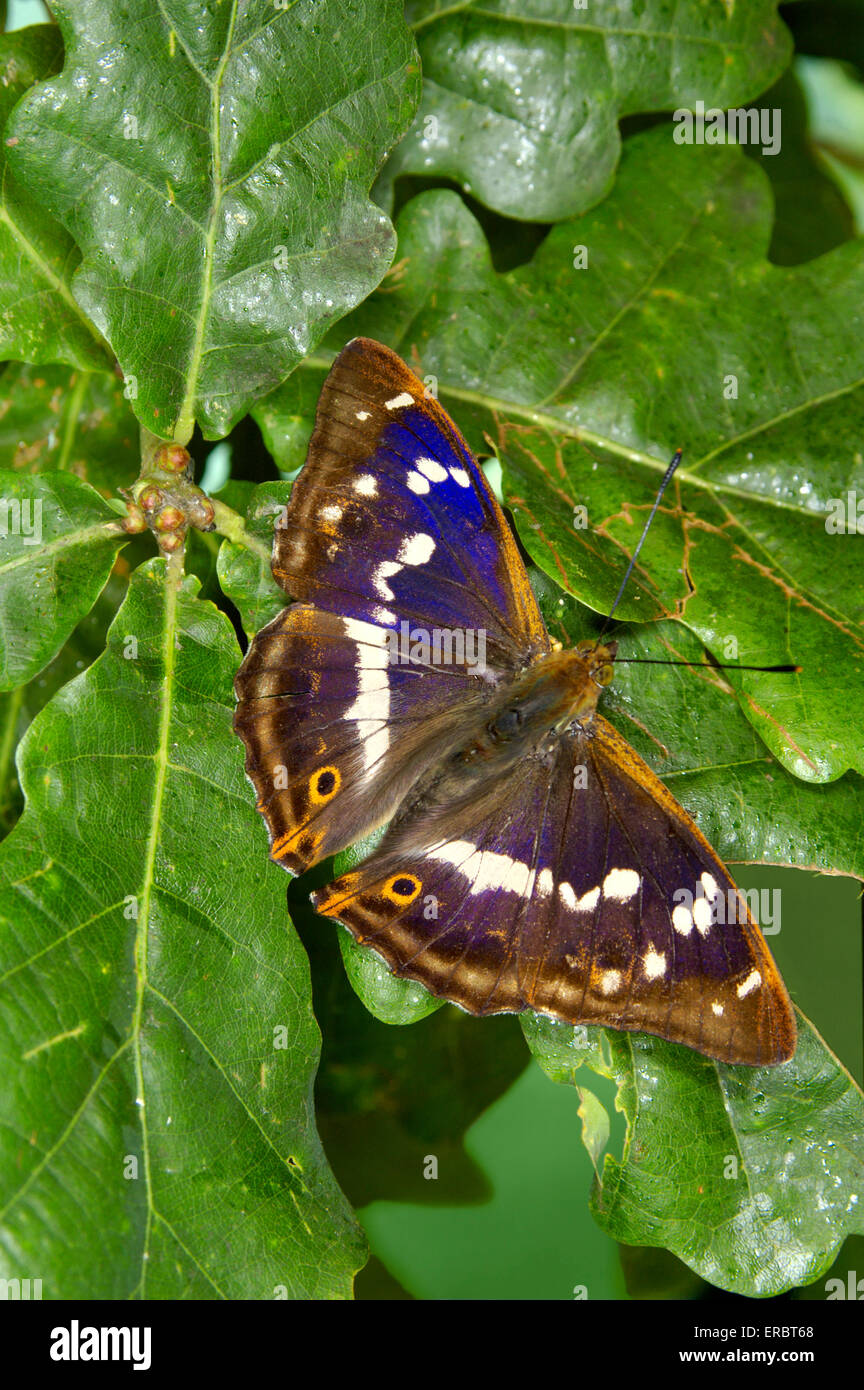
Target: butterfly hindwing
{"type": "Point", "coordinates": [567, 894]}
{"type": "Point", "coordinates": [435, 914]}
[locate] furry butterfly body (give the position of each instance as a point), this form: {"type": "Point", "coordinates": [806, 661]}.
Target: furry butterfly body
{"type": "Point", "coordinates": [531, 859]}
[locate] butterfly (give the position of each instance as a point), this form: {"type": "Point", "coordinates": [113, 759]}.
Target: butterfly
{"type": "Point", "coordinates": [531, 859]}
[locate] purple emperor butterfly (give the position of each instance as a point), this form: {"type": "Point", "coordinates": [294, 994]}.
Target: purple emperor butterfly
{"type": "Point", "coordinates": [531, 859]}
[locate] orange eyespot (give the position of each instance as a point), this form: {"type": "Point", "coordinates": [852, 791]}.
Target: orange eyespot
{"type": "Point", "coordinates": [605, 675]}
{"type": "Point", "coordinates": [324, 784]}
{"type": "Point", "coordinates": [401, 889]}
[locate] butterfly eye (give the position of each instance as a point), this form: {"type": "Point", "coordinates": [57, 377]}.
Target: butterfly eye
{"type": "Point", "coordinates": [507, 724]}
{"type": "Point", "coordinates": [584, 647]}
{"type": "Point", "coordinates": [605, 675]}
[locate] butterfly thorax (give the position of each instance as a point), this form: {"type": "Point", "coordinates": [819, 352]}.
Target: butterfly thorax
{"type": "Point", "coordinates": [559, 689]}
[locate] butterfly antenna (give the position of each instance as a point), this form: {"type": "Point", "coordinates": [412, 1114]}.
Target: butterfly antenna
{"type": "Point", "coordinates": [652, 661]}
{"type": "Point", "coordinates": [676, 459]}
{"type": "Point", "coordinates": [787, 668]}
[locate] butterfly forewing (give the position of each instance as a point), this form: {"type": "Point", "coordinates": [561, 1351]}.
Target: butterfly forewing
{"type": "Point", "coordinates": [392, 521]}
{"type": "Point", "coordinates": [416, 604]}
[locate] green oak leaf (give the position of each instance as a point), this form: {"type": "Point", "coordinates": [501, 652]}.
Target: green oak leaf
{"type": "Point", "coordinates": [218, 191]}
{"type": "Point", "coordinates": [584, 381]}
{"type": "Point", "coordinates": [39, 318]}
{"type": "Point", "coordinates": [522, 98]}
{"type": "Point", "coordinates": [752, 1176]}
{"type": "Point", "coordinates": [53, 418]}
{"type": "Point", "coordinates": [157, 1137]}
{"type": "Point", "coordinates": [58, 541]}
{"type": "Point", "coordinates": [243, 564]}
{"type": "Point", "coordinates": [688, 725]}
{"type": "Point", "coordinates": [19, 707]}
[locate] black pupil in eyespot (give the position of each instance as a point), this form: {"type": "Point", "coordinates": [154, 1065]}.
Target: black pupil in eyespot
{"type": "Point", "coordinates": [326, 783]}
{"type": "Point", "coordinates": [403, 887]}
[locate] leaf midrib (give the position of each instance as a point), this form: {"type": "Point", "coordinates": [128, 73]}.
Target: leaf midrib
{"type": "Point", "coordinates": [173, 577]}
{"type": "Point", "coordinates": [596, 30]}
{"type": "Point", "coordinates": [555, 425]}
{"type": "Point", "coordinates": [186, 417]}
{"type": "Point", "coordinates": [100, 531]}
{"type": "Point", "coordinates": [185, 422]}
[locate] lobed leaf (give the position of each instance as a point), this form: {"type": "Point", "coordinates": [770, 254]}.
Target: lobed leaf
{"type": "Point", "coordinates": [522, 98]}
{"type": "Point", "coordinates": [58, 541]}
{"type": "Point", "coordinates": [752, 1176]}
{"type": "Point", "coordinates": [39, 318]}
{"type": "Point", "coordinates": [157, 1138]}
{"type": "Point", "coordinates": [213, 162]}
